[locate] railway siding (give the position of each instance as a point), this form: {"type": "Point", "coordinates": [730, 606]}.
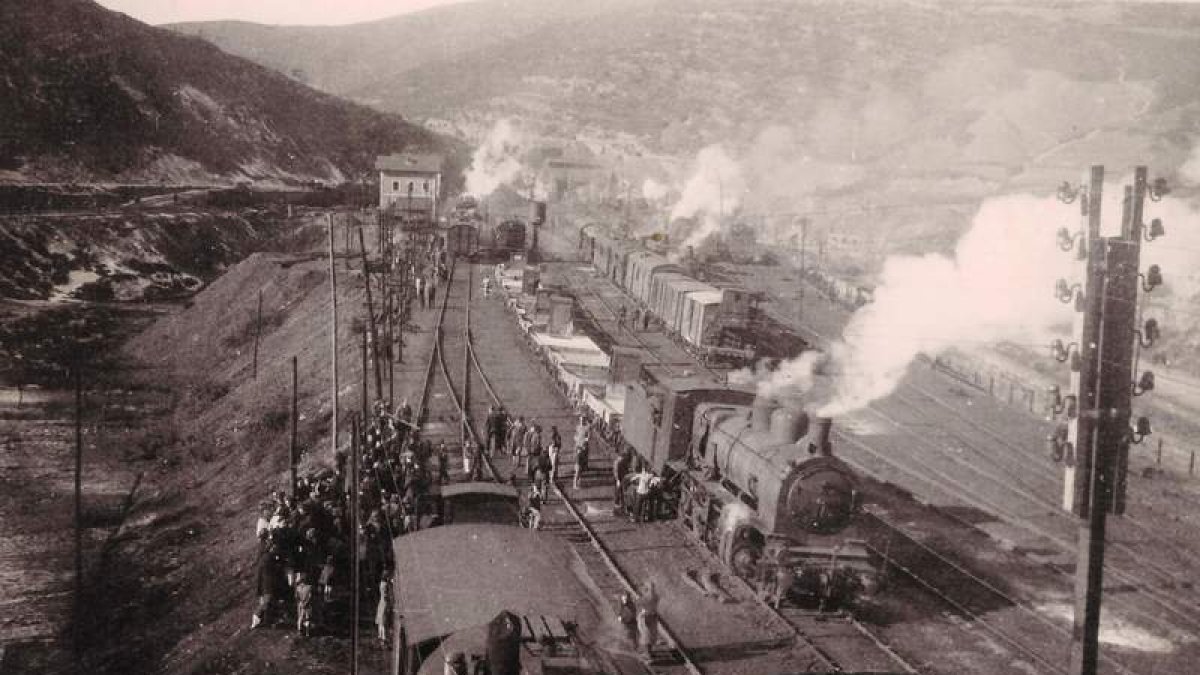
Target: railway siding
{"type": "Point", "coordinates": [739, 634]}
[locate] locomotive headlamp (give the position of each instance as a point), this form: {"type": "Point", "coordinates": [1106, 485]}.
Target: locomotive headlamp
{"type": "Point", "coordinates": [1144, 384]}
{"type": "Point", "coordinates": [1156, 230]}
{"type": "Point", "coordinates": [1152, 279]}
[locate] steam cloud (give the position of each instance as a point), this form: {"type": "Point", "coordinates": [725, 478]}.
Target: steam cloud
{"type": "Point", "coordinates": [715, 187]}
{"type": "Point", "coordinates": [997, 286]}
{"type": "Point", "coordinates": [653, 190]}
{"type": "Point", "coordinates": [497, 160]}
{"type": "Point", "coordinates": [1190, 171]}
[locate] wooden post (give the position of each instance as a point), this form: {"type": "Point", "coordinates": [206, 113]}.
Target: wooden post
{"type": "Point", "coordinates": [366, 401]}
{"type": "Point", "coordinates": [76, 630]}
{"type": "Point", "coordinates": [333, 333]}
{"type": "Point", "coordinates": [371, 317]}
{"type": "Point", "coordinates": [257, 334]}
{"type": "Point", "coordinates": [355, 450]}
{"type": "Point", "coordinates": [1158, 456]}
{"type": "Point", "coordinates": [1192, 464]}
{"type": "Point", "coordinates": [293, 454]}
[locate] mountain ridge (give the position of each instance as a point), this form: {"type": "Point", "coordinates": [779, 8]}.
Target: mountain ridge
{"type": "Point", "coordinates": [89, 94]}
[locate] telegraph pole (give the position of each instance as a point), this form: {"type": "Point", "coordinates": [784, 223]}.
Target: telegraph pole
{"type": "Point", "coordinates": [333, 333]}
{"type": "Point", "coordinates": [803, 261]}
{"type": "Point", "coordinates": [293, 454]}
{"type": "Point", "coordinates": [371, 317]}
{"type": "Point", "coordinates": [1105, 405]}
{"type": "Point", "coordinates": [1076, 483]}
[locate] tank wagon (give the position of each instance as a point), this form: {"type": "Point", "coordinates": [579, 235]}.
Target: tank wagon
{"type": "Point", "coordinates": [709, 320]}
{"type": "Point", "coordinates": [755, 480]}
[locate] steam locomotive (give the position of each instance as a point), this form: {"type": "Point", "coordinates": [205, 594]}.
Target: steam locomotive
{"type": "Point", "coordinates": [755, 480]}
{"type": "Point", "coordinates": [509, 236]}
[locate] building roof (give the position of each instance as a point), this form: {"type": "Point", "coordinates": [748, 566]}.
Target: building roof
{"type": "Point", "coordinates": [454, 577]}
{"type": "Point", "coordinates": [410, 163]}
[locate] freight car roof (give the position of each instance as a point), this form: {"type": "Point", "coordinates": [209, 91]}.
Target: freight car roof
{"type": "Point", "coordinates": [458, 576]}
{"type": "Point", "coordinates": [687, 377]}
{"type": "Point", "coordinates": [707, 297]}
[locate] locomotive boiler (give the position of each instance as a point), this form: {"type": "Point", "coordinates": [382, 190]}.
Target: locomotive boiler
{"type": "Point", "coordinates": [756, 481]}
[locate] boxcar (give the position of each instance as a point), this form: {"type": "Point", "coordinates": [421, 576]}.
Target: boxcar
{"type": "Point", "coordinates": [700, 315]}
{"type": "Point", "coordinates": [642, 270]}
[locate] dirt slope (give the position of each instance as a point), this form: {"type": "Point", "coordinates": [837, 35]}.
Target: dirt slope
{"type": "Point", "coordinates": [181, 580]}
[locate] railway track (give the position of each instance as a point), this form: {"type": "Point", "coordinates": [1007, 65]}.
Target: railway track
{"type": "Point", "coordinates": [820, 642]}
{"type": "Point", "coordinates": [1155, 583]}
{"type": "Point", "coordinates": [946, 584]}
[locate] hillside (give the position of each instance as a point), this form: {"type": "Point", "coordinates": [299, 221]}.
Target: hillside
{"type": "Point", "coordinates": [843, 109]}
{"type": "Point", "coordinates": [88, 95]}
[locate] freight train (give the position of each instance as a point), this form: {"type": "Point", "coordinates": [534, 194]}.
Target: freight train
{"type": "Point", "coordinates": [755, 480]}
{"type": "Point", "coordinates": [714, 322]}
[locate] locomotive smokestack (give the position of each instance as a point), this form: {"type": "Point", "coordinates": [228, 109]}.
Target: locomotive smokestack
{"type": "Point", "coordinates": [821, 436]}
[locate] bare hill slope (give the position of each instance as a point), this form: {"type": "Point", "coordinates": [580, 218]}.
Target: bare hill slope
{"type": "Point", "coordinates": [87, 94]}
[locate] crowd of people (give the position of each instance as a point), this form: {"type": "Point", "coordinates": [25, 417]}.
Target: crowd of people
{"type": "Point", "coordinates": [307, 541]}
{"type": "Point", "coordinates": [306, 537]}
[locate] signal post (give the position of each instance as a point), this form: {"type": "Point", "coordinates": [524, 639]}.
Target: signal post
{"type": "Point", "coordinates": [1095, 445]}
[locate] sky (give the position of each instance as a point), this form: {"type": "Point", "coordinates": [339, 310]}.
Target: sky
{"type": "Point", "coordinates": [290, 12]}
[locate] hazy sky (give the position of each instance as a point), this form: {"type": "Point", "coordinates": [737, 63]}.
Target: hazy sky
{"type": "Point", "coordinates": [318, 12]}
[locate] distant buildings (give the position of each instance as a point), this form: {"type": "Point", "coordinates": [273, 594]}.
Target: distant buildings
{"type": "Point", "coordinates": [410, 185]}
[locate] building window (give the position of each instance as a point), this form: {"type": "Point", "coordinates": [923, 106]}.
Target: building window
{"type": "Point", "coordinates": [395, 186]}
{"type": "Point", "coordinates": [425, 186]}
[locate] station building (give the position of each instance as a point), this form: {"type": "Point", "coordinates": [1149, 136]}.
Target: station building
{"type": "Point", "coordinates": [410, 186]}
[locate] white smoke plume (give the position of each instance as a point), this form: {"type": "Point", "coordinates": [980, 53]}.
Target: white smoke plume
{"type": "Point", "coordinates": [497, 159]}
{"type": "Point", "coordinates": [653, 190]}
{"type": "Point", "coordinates": [998, 286]}
{"type": "Point", "coordinates": [715, 188]}
{"type": "Point", "coordinates": [1190, 171]}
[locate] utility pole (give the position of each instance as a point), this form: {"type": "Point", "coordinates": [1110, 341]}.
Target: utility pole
{"type": "Point", "coordinates": [333, 333]}
{"type": "Point", "coordinates": [76, 624]}
{"type": "Point", "coordinates": [1076, 482]}
{"type": "Point", "coordinates": [371, 317]}
{"type": "Point", "coordinates": [1106, 408]}
{"type": "Point", "coordinates": [293, 454]}
{"type": "Point", "coordinates": [804, 222]}
{"type": "Point", "coordinates": [257, 334]}
{"type": "Point", "coordinates": [355, 451]}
